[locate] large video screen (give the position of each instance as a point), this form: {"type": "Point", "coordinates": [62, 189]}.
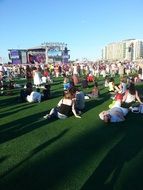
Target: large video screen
{"type": "Point", "coordinates": [39, 58]}
{"type": "Point", "coordinates": [14, 54]}
{"type": "Point", "coordinates": [54, 53]}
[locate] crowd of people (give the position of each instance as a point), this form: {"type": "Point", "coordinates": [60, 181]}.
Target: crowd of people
{"type": "Point", "coordinates": [40, 76]}
{"type": "Point", "coordinates": [125, 97]}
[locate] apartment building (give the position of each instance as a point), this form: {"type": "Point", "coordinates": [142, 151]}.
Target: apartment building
{"type": "Point", "coordinates": [130, 49]}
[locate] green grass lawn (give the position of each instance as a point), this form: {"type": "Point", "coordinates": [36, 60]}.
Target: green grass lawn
{"type": "Point", "coordinates": [70, 154]}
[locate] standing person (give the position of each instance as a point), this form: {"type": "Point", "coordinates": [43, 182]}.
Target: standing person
{"type": "Point", "coordinates": [56, 70]}
{"type": "Point", "coordinates": [1, 87]}
{"type": "Point", "coordinates": [140, 72]}
{"type": "Point", "coordinates": [29, 76]}
{"type": "Point", "coordinates": [37, 77]}
{"type": "Point", "coordinates": [64, 109]}
{"type": "Point", "coordinates": [75, 79]}
{"type": "Point", "coordinates": [106, 82]}
{"type": "Point", "coordinates": [1, 71]}
{"type": "Point", "coordinates": [75, 69]}
{"type": "Point", "coordinates": [121, 69]}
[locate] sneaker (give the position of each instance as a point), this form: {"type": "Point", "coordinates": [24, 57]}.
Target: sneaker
{"type": "Point", "coordinates": [45, 116]}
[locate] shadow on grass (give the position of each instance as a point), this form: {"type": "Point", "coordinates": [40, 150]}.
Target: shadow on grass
{"type": "Point", "coordinates": [107, 173]}
{"type": "Point", "coordinates": [56, 94]}
{"type": "Point", "coordinates": [52, 170]}
{"type": "Point", "coordinates": [49, 142]}
{"type": "Point", "coordinates": [35, 151]}
{"type": "Point", "coordinates": [66, 163]}
{"type": "Point", "coordinates": [16, 106]}
{"type": "Point", "coordinates": [9, 101]}
{"type": "Point", "coordinates": [2, 159]}
{"type": "Point", "coordinates": [22, 126]}
{"type": "Point", "coordinates": [8, 113]}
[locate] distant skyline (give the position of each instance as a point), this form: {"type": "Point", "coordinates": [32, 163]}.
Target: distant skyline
{"type": "Point", "coordinates": [86, 26]}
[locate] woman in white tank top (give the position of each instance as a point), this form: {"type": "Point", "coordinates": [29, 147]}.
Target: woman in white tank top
{"type": "Point", "coordinates": [131, 95]}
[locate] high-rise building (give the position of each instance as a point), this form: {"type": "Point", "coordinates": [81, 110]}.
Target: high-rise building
{"type": "Point", "coordinates": [130, 49]}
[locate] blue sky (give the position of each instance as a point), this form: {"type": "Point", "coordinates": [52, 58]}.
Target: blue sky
{"type": "Point", "coordinates": [85, 25]}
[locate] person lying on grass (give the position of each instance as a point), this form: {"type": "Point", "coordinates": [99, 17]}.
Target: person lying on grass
{"type": "Point", "coordinates": [65, 108]}
{"type": "Point", "coordinates": [115, 114]}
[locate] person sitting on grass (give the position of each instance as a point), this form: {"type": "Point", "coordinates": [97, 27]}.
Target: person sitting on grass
{"type": "Point", "coordinates": [90, 77]}
{"type": "Point", "coordinates": [64, 109]}
{"type": "Point", "coordinates": [130, 97]}
{"type": "Point", "coordinates": [112, 88]}
{"type": "Point", "coordinates": [115, 114]}
{"type": "Point", "coordinates": [35, 96]}
{"type": "Point", "coordinates": [46, 94]}
{"type": "Point", "coordinates": [117, 102]}
{"type": "Point", "coordinates": [95, 92]}
{"type": "Point", "coordinates": [106, 82]}
{"type": "Point", "coordinates": [84, 83]}
{"type": "Point", "coordinates": [79, 98]}
{"type": "Point", "coordinates": [25, 92]}
{"type": "Point", "coordinates": [79, 101]}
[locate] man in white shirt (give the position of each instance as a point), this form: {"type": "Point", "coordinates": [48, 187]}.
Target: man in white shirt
{"type": "Point", "coordinates": [35, 96]}
{"type": "Point", "coordinates": [115, 114]}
